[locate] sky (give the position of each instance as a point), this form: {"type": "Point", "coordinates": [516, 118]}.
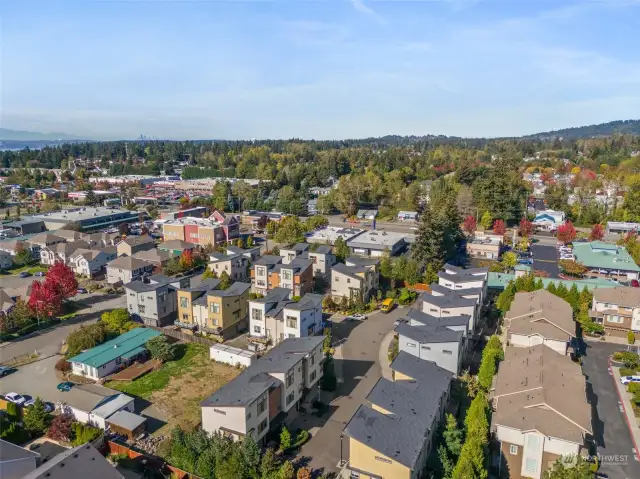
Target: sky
{"type": "Point", "coordinates": [324, 69]}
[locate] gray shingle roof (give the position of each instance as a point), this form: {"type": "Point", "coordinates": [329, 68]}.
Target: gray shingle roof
{"type": "Point", "coordinates": [425, 318]}
{"type": "Point", "coordinates": [449, 301]}
{"type": "Point", "coordinates": [323, 249]}
{"type": "Point", "coordinates": [256, 380]}
{"type": "Point", "coordinates": [77, 463]}
{"type": "Point", "coordinates": [349, 270]}
{"type": "Point", "coordinates": [432, 333]}
{"type": "Point", "coordinates": [308, 301]}
{"type": "Point", "coordinates": [414, 406]}
{"type": "Point", "coordinates": [129, 263]}
{"type": "Point", "coordinates": [236, 289]}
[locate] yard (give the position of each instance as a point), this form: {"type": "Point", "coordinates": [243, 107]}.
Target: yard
{"type": "Point", "coordinates": [30, 268]}
{"type": "Point", "coordinates": [178, 386]}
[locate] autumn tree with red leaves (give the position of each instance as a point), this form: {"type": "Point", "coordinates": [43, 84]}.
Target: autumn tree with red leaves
{"type": "Point", "coordinates": [469, 224]}
{"type": "Point", "coordinates": [597, 232]}
{"type": "Point", "coordinates": [566, 232]}
{"type": "Point", "coordinates": [499, 227]}
{"type": "Point", "coordinates": [44, 301]}
{"type": "Point", "coordinates": [62, 281]}
{"type": "Point", "coordinates": [186, 259]}
{"type": "Point", "coordinates": [525, 228]}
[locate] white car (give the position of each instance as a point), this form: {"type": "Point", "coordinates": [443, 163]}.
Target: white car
{"type": "Point", "coordinates": [356, 317]}
{"type": "Point", "coordinates": [48, 407]}
{"type": "Point", "coordinates": [15, 398]}
{"type": "Point", "coordinates": [629, 379]}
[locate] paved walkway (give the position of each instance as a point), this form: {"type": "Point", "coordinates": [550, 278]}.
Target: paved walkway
{"type": "Point", "coordinates": [632, 421]}
{"type": "Point", "coordinates": [383, 357]}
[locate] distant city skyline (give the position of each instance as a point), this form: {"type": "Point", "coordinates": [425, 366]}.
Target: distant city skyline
{"type": "Point", "coordinates": [316, 70]}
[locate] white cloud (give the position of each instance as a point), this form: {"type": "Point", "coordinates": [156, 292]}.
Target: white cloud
{"type": "Point", "coordinates": [360, 6]}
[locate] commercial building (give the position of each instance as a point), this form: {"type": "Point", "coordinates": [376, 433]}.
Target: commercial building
{"type": "Point", "coordinates": [201, 231]}
{"type": "Point", "coordinates": [605, 259]}
{"type": "Point", "coordinates": [549, 220]}
{"type": "Point", "coordinates": [376, 243]}
{"type": "Point", "coordinates": [197, 212]}
{"type": "Point", "coordinates": [139, 180]}
{"type": "Point", "coordinates": [26, 226]}
{"type": "Point", "coordinates": [220, 313]}
{"type": "Point", "coordinates": [268, 393]}
{"type": "Point", "coordinates": [619, 227]}
{"type": "Point", "coordinates": [109, 357]}
{"type": "Point", "coordinates": [276, 317]}
{"type": "Point", "coordinates": [79, 196]}
{"type": "Point", "coordinates": [483, 245]}
{"type": "Point", "coordinates": [541, 410]}
{"type": "Point", "coordinates": [540, 317]}
{"type": "Point", "coordinates": [407, 216]}
{"type": "Point", "coordinates": [357, 278]}
{"type": "Point", "coordinates": [253, 217]}
{"type": "Point", "coordinates": [125, 269]}
{"type": "Point", "coordinates": [87, 218]}
{"type": "Point", "coordinates": [392, 434]}
{"type": "Point", "coordinates": [329, 234]}
{"type": "Point", "coordinates": [617, 310]}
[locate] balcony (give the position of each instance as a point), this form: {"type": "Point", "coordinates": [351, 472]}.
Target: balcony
{"type": "Point", "coordinates": [217, 330]}
{"type": "Point", "coordinates": [190, 326]}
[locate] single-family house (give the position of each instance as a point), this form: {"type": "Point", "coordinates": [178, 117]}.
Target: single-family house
{"type": "Point", "coordinates": [125, 269]}
{"type": "Point", "coordinates": [93, 404]}
{"type": "Point", "coordinates": [617, 309]}
{"type": "Point", "coordinates": [91, 262]}
{"type": "Point", "coordinates": [134, 244]}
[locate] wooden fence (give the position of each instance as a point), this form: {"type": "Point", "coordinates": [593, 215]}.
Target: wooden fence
{"type": "Point", "coordinates": [191, 338]}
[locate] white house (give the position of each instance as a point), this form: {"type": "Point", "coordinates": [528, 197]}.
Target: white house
{"type": "Point", "coordinates": [94, 404]}
{"type": "Point", "coordinates": [91, 262]}
{"type": "Point", "coordinates": [125, 269]}
{"type": "Point", "coordinates": [549, 220]}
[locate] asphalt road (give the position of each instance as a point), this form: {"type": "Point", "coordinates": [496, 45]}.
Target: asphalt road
{"type": "Point", "coordinates": [48, 341]}
{"type": "Point", "coordinates": [358, 370]}
{"type": "Point", "coordinates": [545, 258]}
{"type": "Point", "coordinates": [610, 429]}
{"type": "Point", "coordinates": [397, 226]}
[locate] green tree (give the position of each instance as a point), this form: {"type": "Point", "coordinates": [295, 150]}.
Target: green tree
{"type": "Point", "coordinates": [285, 439]}
{"type": "Point", "coordinates": [85, 337]}
{"type": "Point", "coordinates": [290, 231]}
{"type": "Point", "coordinates": [569, 467]}
{"type": "Point", "coordinates": [251, 456]}
{"type": "Point", "coordinates": [509, 260]}
{"type": "Point", "coordinates": [117, 321]}
{"type": "Point", "coordinates": [340, 249]}
{"type": "Point", "coordinates": [250, 241]}
{"type": "Point", "coordinates": [209, 274]}
{"type": "Point", "coordinates": [160, 349]}
{"type": "Point", "coordinates": [286, 471]}
{"type": "Point", "coordinates": [412, 272]}
{"type": "Point", "coordinates": [486, 220]}
{"type": "Point", "coordinates": [268, 464]}
{"type": "Point", "coordinates": [453, 436]}
{"type": "Point", "coordinates": [225, 280]}
{"type": "Point", "coordinates": [386, 266]}
{"type": "Point", "coordinates": [446, 464]}
{"type": "Point", "coordinates": [36, 419]}
{"type": "Point", "coordinates": [23, 257]}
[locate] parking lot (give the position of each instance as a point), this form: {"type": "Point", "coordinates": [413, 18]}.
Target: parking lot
{"type": "Point", "coordinates": [545, 258]}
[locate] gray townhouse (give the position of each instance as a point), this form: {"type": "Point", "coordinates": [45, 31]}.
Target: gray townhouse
{"type": "Point", "coordinates": [125, 269]}
{"type": "Point", "coordinates": [236, 265]}
{"type": "Point", "coordinates": [450, 305]}
{"type": "Point", "coordinates": [290, 253]}
{"type": "Point", "coordinates": [260, 273]}
{"type": "Point", "coordinates": [322, 258]}
{"type": "Point", "coordinates": [252, 253]}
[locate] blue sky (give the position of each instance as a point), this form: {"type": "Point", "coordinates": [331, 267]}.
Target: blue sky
{"type": "Point", "coordinates": [316, 69]}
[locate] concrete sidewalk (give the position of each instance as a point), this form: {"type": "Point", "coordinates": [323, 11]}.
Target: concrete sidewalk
{"type": "Point", "coordinates": [383, 356]}
{"type": "Point", "coordinates": [632, 421]}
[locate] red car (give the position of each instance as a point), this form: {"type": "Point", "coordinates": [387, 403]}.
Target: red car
{"type": "Point", "coordinates": [635, 283]}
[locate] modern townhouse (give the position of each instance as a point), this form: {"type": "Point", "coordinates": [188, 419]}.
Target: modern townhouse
{"type": "Point", "coordinates": [452, 304]}
{"type": "Point", "coordinates": [540, 317]}
{"type": "Point", "coordinates": [236, 265]}
{"type": "Point", "coordinates": [617, 309]}
{"type": "Point", "coordinates": [456, 278]}
{"type": "Point", "coordinates": [223, 313]}
{"type": "Point", "coordinates": [356, 278]}
{"type": "Point", "coordinates": [290, 253]}
{"type": "Point", "coordinates": [92, 262]}
{"type": "Point", "coordinates": [392, 434]}
{"type": "Point", "coordinates": [269, 272]}
{"type": "Point", "coordinates": [158, 257]}
{"type": "Point", "coordinates": [61, 252]}
{"type": "Point", "coordinates": [186, 297]}
{"type": "Point", "coordinates": [154, 302]}
{"type": "Point", "coordinates": [134, 244]}
{"type": "Point", "coordinates": [252, 253]}
{"type": "Point", "coordinates": [268, 393]}
{"type": "Point", "coordinates": [323, 260]}
{"type": "Point", "coordinates": [541, 410]}
{"type": "Point", "coordinates": [276, 317]}
{"type": "Point", "coordinates": [125, 269]}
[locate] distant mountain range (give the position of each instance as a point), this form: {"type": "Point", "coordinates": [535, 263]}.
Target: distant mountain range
{"type": "Point", "coordinates": [15, 139]}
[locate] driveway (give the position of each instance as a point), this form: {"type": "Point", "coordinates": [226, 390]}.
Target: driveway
{"type": "Point", "coordinates": [48, 341]}
{"type": "Point", "coordinates": [610, 429]}
{"type": "Point", "coordinates": [545, 258]}
{"type": "Point", "coordinates": [36, 379]}
{"type": "Point", "coordinates": [358, 370]}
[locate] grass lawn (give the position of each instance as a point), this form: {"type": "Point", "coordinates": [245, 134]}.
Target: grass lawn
{"type": "Point", "coordinates": [178, 386]}
{"type": "Point", "coordinates": [69, 310]}
{"type": "Point", "coordinates": [31, 269]}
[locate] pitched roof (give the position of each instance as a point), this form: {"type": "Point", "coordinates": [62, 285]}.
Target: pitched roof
{"type": "Point", "coordinates": [117, 347]}
{"type": "Point", "coordinates": [236, 289]}
{"type": "Point", "coordinates": [256, 379]}
{"type": "Point", "coordinates": [268, 260]}
{"type": "Point", "coordinates": [537, 388]}
{"type": "Point", "coordinates": [76, 463]}
{"type": "Point", "coordinates": [449, 301]}
{"type": "Point", "coordinates": [11, 452]}
{"type": "Point", "coordinates": [88, 254]}
{"type": "Point", "coordinates": [308, 301]}
{"type": "Point", "coordinates": [426, 318]}
{"type": "Point", "coordinates": [350, 271]}
{"type": "Point", "coordinates": [87, 397]}
{"type": "Point", "coordinates": [154, 255]}
{"type": "Point", "coordinates": [176, 245]}
{"type": "Point", "coordinates": [126, 420]}
{"type": "Point", "coordinates": [137, 240]}
{"type": "Point", "coordinates": [128, 262]}
{"type": "Point", "coordinates": [413, 407]}
{"type": "Point", "coordinates": [298, 265]}
{"type": "Point", "coordinates": [541, 313]}
{"type": "Point", "coordinates": [322, 249]}
{"type": "Point", "coordinates": [432, 333]}
{"type": "Point", "coordinates": [620, 295]}
{"type": "Point", "coordinates": [45, 238]}
{"type": "Point", "coordinates": [69, 248]}
{"type": "Point", "coordinates": [69, 234]}
{"type": "Point", "coordinates": [298, 247]}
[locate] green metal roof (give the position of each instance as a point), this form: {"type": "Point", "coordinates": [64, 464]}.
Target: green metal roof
{"type": "Point", "coordinates": [598, 254]}
{"type": "Point", "coordinates": [122, 346]}
{"type": "Point", "coordinates": [134, 352]}
{"type": "Point", "coordinates": [501, 280]}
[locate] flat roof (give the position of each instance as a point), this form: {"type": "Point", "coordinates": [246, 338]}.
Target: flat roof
{"type": "Point", "coordinates": [117, 347]}
{"type": "Point", "coordinates": [330, 234]}
{"type": "Point", "coordinates": [83, 213]}
{"type": "Point", "coordinates": [598, 254]}
{"type": "Point", "coordinates": [126, 420]}
{"type": "Point", "coordinates": [377, 239]}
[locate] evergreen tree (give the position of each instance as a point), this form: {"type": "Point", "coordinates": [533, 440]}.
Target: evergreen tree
{"type": "Point", "coordinates": [486, 220]}
{"type": "Point", "coordinates": [551, 287]}
{"type": "Point", "coordinates": [340, 249]}
{"type": "Point", "coordinates": [36, 418]}
{"type": "Point", "coordinates": [268, 464]}
{"type": "Point", "coordinates": [452, 436]}
{"type": "Point", "coordinates": [251, 455]}
{"type": "Point", "coordinates": [561, 291]}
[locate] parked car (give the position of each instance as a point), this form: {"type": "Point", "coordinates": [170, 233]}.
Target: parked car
{"type": "Point", "coordinates": [40, 273]}
{"type": "Point", "coordinates": [635, 283]}
{"type": "Point", "coordinates": [525, 261]}
{"type": "Point", "coordinates": [5, 370]}
{"type": "Point", "coordinates": [65, 386]}
{"type": "Point", "coordinates": [48, 407]}
{"type": "Point", "coordinates": [15, 398]}
{"type": "Point", "coordinates": [356, 317]}
{"type": "Point", "coordinates": [629, 379]}
{"type": "Point", "coordinates": [82, 291]}
{"type": "Point", "coordinates": [25, 274]}
{"type": "Point", "coordinates": [398, 322]}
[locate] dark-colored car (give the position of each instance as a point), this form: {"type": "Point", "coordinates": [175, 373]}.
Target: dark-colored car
{"type": "Point", "coordinates": [635, 283]}
{"type": "Point", "coordinates": [65, 386]}
{"type": "Point", "coordinates": [25, 274]}
{"type": "Point", "coordinates": [82, 291]}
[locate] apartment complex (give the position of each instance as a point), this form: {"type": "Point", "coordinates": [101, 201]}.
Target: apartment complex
{"type": "Point", "coordinates": [540, 317]}
{"type": "Point", "coordinates": [269, 272]}
{"type": "Point", "coordinates": [617, 309]}
{"type": "Point", "coordinates": [202, 231]}
{"type": "Point", "coordinates": [276, 317]}
{"type": "Point", "coordinates": [541, 409]}
{"type": "Point", "coordinates": [376, 243]}
{"type": "Point", "coordinates": [220, 313]}
{"type": "Point", "coordinates": [267, 393]}
{"type": "Point", "coordinates": [392, 434]}
{"type": "Point", "coordinates": [356, 278]}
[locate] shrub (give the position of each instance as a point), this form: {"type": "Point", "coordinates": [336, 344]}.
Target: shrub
{"type": "Point", "coordinates": [631, 338]}
{"type": "Point", "coordinates": [631, 360]}
{"type": "Point", "coordinates": [60, 428]}
{"type": "Point", "coordinates": [14, 411]}
{"type": "Point", "coordinates": [285, 439]}
{"type": "Point", "coordinates": [160, 348]}
{"type": "Point", "coordinates": [302, 437]}
{"type": "Point", "coordinates": [63, 365]}
{"type": "Point", "coordinates": [83, 433]}
{"type": "Point", "coordinates": [627, 371]}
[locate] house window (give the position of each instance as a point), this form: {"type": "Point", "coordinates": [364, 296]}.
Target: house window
{"type": "Point", "coordinates": [292, 322]}
{"type": "Point", "coordinates": [256, 314]}
{"type": "Point", "coordinates": [215, 322]}
{"type": "Point", "coordinates": [185, 316]}
{"type": "Point", "coordinates": [290, 376]}
{"type": "Point", "coordinates": [162, 297]}
{"type": "Point", "coordinates": [513, 449]}
{"type": "Point", "coordinates": [184, 302]}
{"type": "Point", "coordinates": [411, 345]}
{"type": "Point", "coordinates": [290, 398]}
{"type": "Point", "coordinates": [260, 270]}
{"type": "Point", "coordinates": [257, 329]}
{"type": "Point", "coordinates": [531, 465]}
{"type": "Point", "coordinates": [383, 459]}
{"type": "Point", "coordinates": [446, 351]}
{"type": "Point", "coordinates": [262, 406]}
{"type": "Point", "coordinates": [141, 308]}
{"type": "Point", "coordinates": [312, 376]}
{"type": "Point", "coordinates": [533, 442]}
{"type": "Point", "coordinates": [433, 310]}
{"type": "Point", "coordinates": [313, 359]}
{"type": "Point", "coordinates": [215, 308]}
{"type": "Point", "coordinates": [262, 426]}
{"type": "Point", "coordinates": [428, 348]}
{"type": "Point", "coordinates": [286, 274]}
